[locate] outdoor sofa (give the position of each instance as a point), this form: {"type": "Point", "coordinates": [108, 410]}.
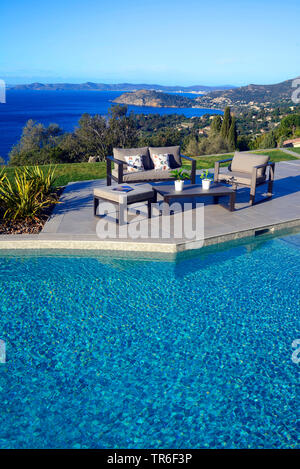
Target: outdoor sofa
{"type": "Point", "coordinates": [248, 170]}
{"type": "Point", "coordinates": [120, 173]}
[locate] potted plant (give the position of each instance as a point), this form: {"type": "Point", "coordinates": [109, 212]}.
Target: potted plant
{"type": "Point", "coordinates": [206, 179]}
{"type": "Point", "coordinates": [180, 175]}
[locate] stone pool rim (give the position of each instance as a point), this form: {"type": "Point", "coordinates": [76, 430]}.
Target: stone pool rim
{"type": "Point", "coordinates": [81, 242]}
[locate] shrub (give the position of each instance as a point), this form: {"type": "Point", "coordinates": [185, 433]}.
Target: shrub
{"type": "Point", "coordinates": [43, 180]}
{"type": "Point", "coordinates": [29, 193]}
{"type": "Point", "coordinates": [45, 155]}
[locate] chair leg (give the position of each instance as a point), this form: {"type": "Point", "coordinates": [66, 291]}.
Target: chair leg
{"type": "Point", "coordinates": [216, 171]}
{"type": "Point", "coordinates": [149, 208]}
{"type": "Point", "coordinates": [108, 172]}
{"type": "Point", "coordinates": [271, 179]}
{"type": "Point", "coordinates": [96, 203]}
{"type": "Point", "coordinates": [193, 173]}
{"type": "Point", "coordinates": [252, 195]}
{"type": "Point", "coordinates": [232, 201]}
{"type": "Point", "coordinates": [122, 219]}
{"type": "Point", "coordinates": [270, 188]}
{"type": "Point", "coordinates": [253, 187]}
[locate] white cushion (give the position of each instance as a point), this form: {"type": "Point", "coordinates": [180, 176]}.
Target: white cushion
{"type": "Point", "coordinates": [134, 163]}
{"type": "Point", "coordinates": [161, 162]}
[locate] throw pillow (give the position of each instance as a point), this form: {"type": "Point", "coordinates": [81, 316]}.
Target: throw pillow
{"type": "Point", "coordinates": [161, 162]}
{"type": "Point", "coordinates": [134, 163]}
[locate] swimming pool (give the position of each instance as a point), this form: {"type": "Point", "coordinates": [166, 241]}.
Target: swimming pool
{"type": "Point", "coordinates": [106, 352]}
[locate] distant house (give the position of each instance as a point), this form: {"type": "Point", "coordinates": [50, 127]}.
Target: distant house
{"type": "Point", "coordinates": [292, 143]}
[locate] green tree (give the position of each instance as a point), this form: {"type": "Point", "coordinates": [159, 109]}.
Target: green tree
{"type": "Point", "coordinates": [243, 142]}
{"type": "Point", "coordinates": [232, 135]}
{"type": "Point", "coordinates": [216, 124]}
{"type": "Point", "coordinates": [289, 125]}
{"type": "Point", "coordinates": [73, 147]}
{"type": "Point", "coordinates": [213, 145]}
{"type": "Point", "coordinates": [118, 111]}
{"type": "Point", "coordinates": [192, 147]}
{"type": "Point", "coordinates": [226, 123]}
{"type": "Point", "coordinates": [123, 131]}
{"type": "Point", "coordinates": [36, 136]}
{"type": "Point", "coordinates": [164, 137]}
{"type": "Point", "coordinates": [36, 140]}
{"type": "Point", "coordinates": [92, 136]}
{"type": "Point", "coordinates": [269, 140]}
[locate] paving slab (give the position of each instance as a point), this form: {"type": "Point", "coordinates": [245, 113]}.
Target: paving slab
{"type": "Point", "coordinates": [73, 226]}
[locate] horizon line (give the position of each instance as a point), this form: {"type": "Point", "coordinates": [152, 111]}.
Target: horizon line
{"type": "Point", "coordinates": [138, 83]}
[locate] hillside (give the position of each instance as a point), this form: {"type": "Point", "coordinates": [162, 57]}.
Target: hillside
{"type": "Point", "coordinates": [154, 99]}
{"type": "Point", "coordinates": [90, 86]}
{"type": "Point", "coordinates": [244, 97]}
{"type": "Point", "coordinates": [250, 95]}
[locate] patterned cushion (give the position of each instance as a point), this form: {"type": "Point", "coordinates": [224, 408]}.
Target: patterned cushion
{"type": "Point", "coordinates": [173, 152]}
{"type": "Point", "coordinates": [161, 162]}
{"type": "Point", "coordinates": [134, 163]}
{"type": "Point", "coordinates": [120, 153]}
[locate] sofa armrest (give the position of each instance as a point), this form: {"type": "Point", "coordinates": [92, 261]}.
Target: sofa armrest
{"type": "Point", "coordinates": [114, 160]}
{"type": "Point", "coordinates": [224, 161]}
{"type": "Point", "coordinates": [217, 168]}
{"type": "Point", "coordinates": [193, 170]}
{"type": "Point", "coordinates": [270, 165]}
{"type": "Point", "coordinates": [109, 160]}
{"type": "Point", "coordinates": [262, 165]}
{"type": "Point", "coordinates": [187, 158]}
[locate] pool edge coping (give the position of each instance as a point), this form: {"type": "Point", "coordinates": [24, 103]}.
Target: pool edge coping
{"type": "Point", "coordinates": [37, 242]}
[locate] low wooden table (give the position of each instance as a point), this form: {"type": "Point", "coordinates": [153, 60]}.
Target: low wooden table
{"type": "Point", "coordinates": [216, 190]}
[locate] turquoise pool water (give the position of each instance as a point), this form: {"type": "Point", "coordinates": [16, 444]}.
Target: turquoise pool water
{"type": "Point", "coordinates": [124, 353]}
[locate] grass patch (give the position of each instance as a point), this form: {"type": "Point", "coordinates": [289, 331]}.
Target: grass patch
{"type": "Point", "coordinates": [70, 172]}
{"type": "Point", "coordinates": [209, 162]}
{"type": "Point", "coordinates": [203, 162]}
{"type": "Point", "coordinates": [295, 150]}
{"type": "Point", "coordinates": [276, 155]}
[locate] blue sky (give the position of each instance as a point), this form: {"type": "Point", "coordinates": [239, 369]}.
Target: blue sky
{"type": "Point", "coordinates": [167, 41]}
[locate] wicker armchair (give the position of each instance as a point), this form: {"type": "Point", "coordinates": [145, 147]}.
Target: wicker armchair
{"type": "Point", "coordinates": [248, 170]}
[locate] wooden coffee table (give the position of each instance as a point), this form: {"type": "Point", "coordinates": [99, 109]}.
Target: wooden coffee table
{"type": "Point", "coordinates": [216, 190]}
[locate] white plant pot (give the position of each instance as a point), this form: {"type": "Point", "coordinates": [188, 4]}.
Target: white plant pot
{"type": "Point", "coordinates": [206, 184]}
{"type": "Point", "coordinates": [179, 186]}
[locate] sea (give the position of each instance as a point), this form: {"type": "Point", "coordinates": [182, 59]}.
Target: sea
{"type": "Point", "coordinates": [65, 108]}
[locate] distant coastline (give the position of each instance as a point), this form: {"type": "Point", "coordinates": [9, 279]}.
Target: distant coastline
{"type": "Point", "coordinates": [240, 99]}
{"type": "Point", "coordinates": [155, 99]}
{"type": "Point", "coordinates": [122, 87]}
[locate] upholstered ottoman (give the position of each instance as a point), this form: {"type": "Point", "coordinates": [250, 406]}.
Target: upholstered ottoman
{"type": "Point", "coordinates": [139, 193]}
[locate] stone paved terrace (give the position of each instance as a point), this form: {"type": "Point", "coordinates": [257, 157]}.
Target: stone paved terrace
{"type": "Point", "coordinates": [72, 224]}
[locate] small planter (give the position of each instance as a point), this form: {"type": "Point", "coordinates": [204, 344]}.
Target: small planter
{"type": "Point", "coordinates": [206, 184]}
{"type": "Point", "coordinates": [179, 186]}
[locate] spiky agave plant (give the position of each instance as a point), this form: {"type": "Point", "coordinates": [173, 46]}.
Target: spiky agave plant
{"type": "Point", "coordinates": [26, 196]}
{"type": "Point", "coordinates": [44, 180]}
